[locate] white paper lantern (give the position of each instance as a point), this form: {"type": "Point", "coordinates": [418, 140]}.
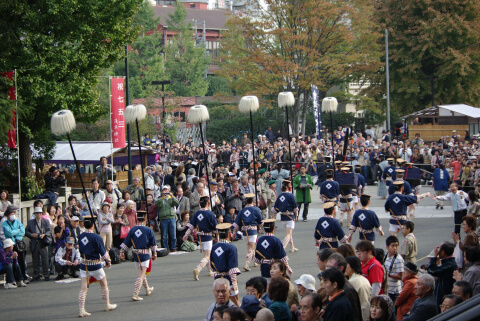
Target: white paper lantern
{"type": "Point", "coordinates": [248, 104]}
{"type": "Point", "coordinates": [329, 105]}
{"type": "Point", "coordinates": [198, 114]}
{"type": "Point", "coordinates": [135, 112]}
{"type": "Point", "coordinates": [286, 99]}
{"type": "Point", "coordinates": [62, 122]}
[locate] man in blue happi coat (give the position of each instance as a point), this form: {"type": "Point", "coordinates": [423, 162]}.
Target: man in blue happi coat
{"type": "Point", "coordinates": [224, 260]}
{"type": "Point", "coordinates": [142, 239]}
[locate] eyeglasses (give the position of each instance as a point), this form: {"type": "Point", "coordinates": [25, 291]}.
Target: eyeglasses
{"type": "Point", "coordinates": [444, 306]}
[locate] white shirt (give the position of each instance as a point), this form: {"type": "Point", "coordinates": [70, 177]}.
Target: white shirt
{"type": "Point", "coordinates": [460, 198]}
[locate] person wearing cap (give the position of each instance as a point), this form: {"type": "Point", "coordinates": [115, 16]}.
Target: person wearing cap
{"type": "Point", "coordinates": [105, 221]}
{"type": "Point", "coordinates": [75, 230]}
{"type": "Point", "coordinates": [204, 220]}
{"type": "Point", "coordinates": [365, 220]}
{"type": "Point", "coordinates": [286, 205]}
{"type": "Point", "coordinates": [67, 260]}
{"type": "Point", "coordinates": [440, 180]}
{"type": "Point", "coordinates": [397, 204]}
{"type": "Point", "coordinates": [166, 215]}
{"type": "Point", "coordinates": [389, 173]}
{"type": "Point", "coordinates": [346, 200]}
{"type": "Point", "coordinates": [269, 248]}
{"type": "Point", "coordinates": [330, 189]}
{"type": "Point", "coordinates": [360, 184]}
{"type": "Point", "coordinates": [459, 205]}
{"type": "Point", "coordinates": [9, 266]}
{"type": "Point", "coordinates": [382, 190]}
{"type": "Point", "coordinates": [13, 229]}
{"type": "Point", "coordinates": [93, 254]}
{"type": "Point", "coordinates": [105, 172]}
{"type": "Point", "coordinates": [250, 305]}
{"type": "Point", "coordinates": [303, 183]}
{"type": "Point", "coordinates": [305, 285]}
{"type": "Point", "coordinates": [271, 198]}
{"type": "Point", "coordinates": [325, 165]}
{"type": "Point", "coordinates": [248, 220]}
{"type": "Point", "coordinates": [217, 206]}
{"type": "Point", "coordinates": [263, 189]}
{"type": "Point", "coordinates": [279, 174]}
{"type": "Point", "coordinates": [407, 297]}
{"type": "Point", "coordinates": [407, 188]}
{"type": "Point", "coordinates": [328, 230]}
{"type": "Point", "coordinates": [224, 260]}
{"type": "Point", "coordinates": [39, 232]}
{"type": "Point", "coordinates": [142, 239]}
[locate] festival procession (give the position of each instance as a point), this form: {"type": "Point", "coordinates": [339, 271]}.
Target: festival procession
{"type": "Point", "coordinates": [289, 202]}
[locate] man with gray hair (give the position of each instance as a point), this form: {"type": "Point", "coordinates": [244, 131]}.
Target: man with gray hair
{"type": "Point", "coordinates": [246, 187]}
{"type": "Point", "coordinates": [221, 291]}
{"type": "Point", "coordinates": [425, 307]}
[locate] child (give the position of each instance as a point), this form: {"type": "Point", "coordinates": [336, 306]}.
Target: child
{"type": "Point", "coordinates": [394, 268]}
{"type": "Point", "coordinates": [409, 245]}
{"type": "Point", "coordinates": [9, 266]}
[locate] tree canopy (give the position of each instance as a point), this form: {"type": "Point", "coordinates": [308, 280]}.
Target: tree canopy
{"type": "Point", "coordinates": [186, 62]}
{"type": "Point", "coordinates": [59, 47]}
{"type": "Point", "coordinates": [430, 41]}
{"type": "Point", "coordinates": [294, 44]}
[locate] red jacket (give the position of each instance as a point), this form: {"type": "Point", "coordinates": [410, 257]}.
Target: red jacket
{"type": "Point", "coordinates": [407, 296]}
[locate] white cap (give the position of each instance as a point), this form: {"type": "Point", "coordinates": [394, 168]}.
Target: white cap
{"type": "Point", "coordinates": [165, 187]}
{"type": "Point", "coordinates": [8, 243]}
{"type": "Point", "coordinates": [38, 209]}
{"type": "Point", "coordinates": [307, 281]}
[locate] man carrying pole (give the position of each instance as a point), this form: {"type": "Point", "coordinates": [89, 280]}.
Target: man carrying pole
{"type": "Point", "coordinates": [142, 239]}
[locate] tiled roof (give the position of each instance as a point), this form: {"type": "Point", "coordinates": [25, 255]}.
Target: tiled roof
{"type": "Point", "coordinates": [214, 19]}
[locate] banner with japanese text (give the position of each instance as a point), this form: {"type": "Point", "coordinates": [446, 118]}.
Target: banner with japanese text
{"type": "Point", "coordinates": [117, 96]}
{"type": "Point", "coordinates": [12, 132]}
{"type": "Point", "coordinates": [317, 111]}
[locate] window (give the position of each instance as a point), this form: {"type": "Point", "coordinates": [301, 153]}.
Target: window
{"type": "Point", "coordinates": [165, 2]}
{"type": "Point", "coordinates": [473, 129]}
{"type": "Point", "coordinates": [211, 47]}
{"type": "Point", "coordinates": [179, 116]}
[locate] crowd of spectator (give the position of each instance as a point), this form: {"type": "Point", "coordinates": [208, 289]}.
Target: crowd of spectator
{"type": "Point", "coordinates": [357, 283]}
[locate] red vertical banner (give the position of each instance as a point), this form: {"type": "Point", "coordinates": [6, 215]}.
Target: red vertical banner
{"type": "Point", "coordinates": [12, 132]}
{"type": "Point", "coordinates": [117, 97]}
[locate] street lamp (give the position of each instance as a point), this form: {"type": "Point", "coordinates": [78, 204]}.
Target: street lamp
{"type": "Point", "coordinates": [286, 99]}
{"type": "Point", "coordinates": [163, 83]}
{"type": "Point", "coordinates": [329, 105]}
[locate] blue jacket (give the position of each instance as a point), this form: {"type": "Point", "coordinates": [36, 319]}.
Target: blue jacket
{"type": "Point", "coordinates": [440, 179]}
{"type": "Point", "coordinates": [13, 230]}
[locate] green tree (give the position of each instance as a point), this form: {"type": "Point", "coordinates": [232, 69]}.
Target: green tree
{"type": "Point", "coordinates": [60, 46]}
{"type": "Point", "coordinates": [186, 62]}
{"type": "Point", "coordinates": [438, 39]}
{"type": "Point", "coordinates": [294, 44]}
{"type": "Point", "coordinates": [218, 85]}
{"type": "Point", "coordinates": [146, 55]}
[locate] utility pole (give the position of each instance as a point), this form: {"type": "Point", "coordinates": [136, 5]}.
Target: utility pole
{"type": "Point", "coordinates": [388, 80]}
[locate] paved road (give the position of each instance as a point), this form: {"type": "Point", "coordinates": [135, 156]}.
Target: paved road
{"type": "Point", "coordinates": [177, 296]}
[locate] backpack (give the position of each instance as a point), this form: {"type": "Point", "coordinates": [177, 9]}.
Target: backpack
{"type": "Point", "coordinates": [188, 246]}
{"type": "Point", "coordinates": [114, 255]}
